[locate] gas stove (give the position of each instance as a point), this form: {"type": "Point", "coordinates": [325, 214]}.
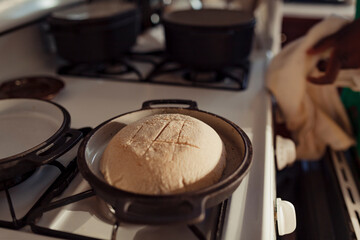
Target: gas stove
{"type": "Point", "coordinates": [65, 206]}
{"type": "Point", "coordinates": [246, 205]}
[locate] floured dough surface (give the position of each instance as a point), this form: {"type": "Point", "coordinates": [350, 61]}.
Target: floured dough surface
{"type": "Point", "coordinates": [163, 154]}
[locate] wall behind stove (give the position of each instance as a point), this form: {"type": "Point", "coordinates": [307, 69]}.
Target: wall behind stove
{"type": "Point", "coordinates": [25, 52]}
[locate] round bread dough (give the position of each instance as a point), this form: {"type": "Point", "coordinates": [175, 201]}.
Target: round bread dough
{"type": "Point", "coordinates": [163, 154]}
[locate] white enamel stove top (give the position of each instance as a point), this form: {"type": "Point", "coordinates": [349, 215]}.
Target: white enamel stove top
{"type": "Point", "coordinates": [249, 211]}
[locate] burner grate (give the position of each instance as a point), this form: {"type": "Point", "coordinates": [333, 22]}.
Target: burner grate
{"type": "Point", "coordinates": [154, 67]}
{"type": "Point", "coordinates": [119, 70]}
{"type": "Point", "coordinates": [230, 78]}
{"type": "Point", "coordinates": [7, 184]}
{"type": "Point", "coordinates": [18, 223]}
{"type": "Point", "coordinates": [113, 234]}
{"type": "Point", "coordinates": [20, 213]}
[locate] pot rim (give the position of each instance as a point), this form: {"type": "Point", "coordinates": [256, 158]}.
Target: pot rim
{"type": "Point", "coordinates": [236, 26]}
{"type": "Point", "coordinates": [63, 21]}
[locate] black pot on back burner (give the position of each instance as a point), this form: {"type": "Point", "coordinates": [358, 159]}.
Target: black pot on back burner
{"type": "Point", "coordinates": [95, 32]}
{"type": "Point", "coordinates": [209, 39]}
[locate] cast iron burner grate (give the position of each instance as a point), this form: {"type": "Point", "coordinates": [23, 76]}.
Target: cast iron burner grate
{"type": "Point", "coordinates": [59, 184]}
{"type": "Point", "coordinates": [48, 206]}
{"type": "Point", "coordinates": [112, 70]}
{"type": "Point", "coordinates": [154, 67]}
{"type": "Point", "coordinates": [7, 184]}
{"type": "Point", "coordinates": [18, 223]}
{"type": "Point", "coordinates": [229, 78]}
{"type": "Point", "coordinates": [132, 67]}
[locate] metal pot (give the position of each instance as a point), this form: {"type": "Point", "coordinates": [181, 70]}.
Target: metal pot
{"type": "Point", "coordinates": [186, 207]}
{"type": "Point", "coordinates": [33, 133]}
{"type": "Point", "coordinates": [95, 32]}
{"type": "Point", "coordinates": [209, 39]}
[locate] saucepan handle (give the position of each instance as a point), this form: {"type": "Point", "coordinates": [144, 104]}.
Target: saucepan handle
{"type": "Point", "coordinates": [161, 212]}
{"type": "Point", "coordinates": [191, 104]}
{"type": "Point", "coordinates": [54, 150]}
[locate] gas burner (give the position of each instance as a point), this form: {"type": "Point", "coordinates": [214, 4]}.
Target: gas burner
{"type": "Point", "coordinates": [230, 78]}
{"type": "Point", "coordinates": [116, 70]}
{"type": "Point", "coordinates": [203, 77]}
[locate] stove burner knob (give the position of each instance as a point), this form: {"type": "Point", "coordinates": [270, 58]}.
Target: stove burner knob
{"type": "Point", "coordinates": [285, 216]}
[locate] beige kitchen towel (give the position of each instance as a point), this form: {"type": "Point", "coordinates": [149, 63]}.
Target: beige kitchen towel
{"type": "Point", "coordinates": [349, 78]}
{"type": "Point", "coordinates": [313, 113]}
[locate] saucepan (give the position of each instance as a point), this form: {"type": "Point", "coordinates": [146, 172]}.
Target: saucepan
{"type": "Point", "coordinates": [95, 32]}
{"type": "Point", "coordinates": [188, 207]}
{"type": "Point", "coordinates": [33, 133]}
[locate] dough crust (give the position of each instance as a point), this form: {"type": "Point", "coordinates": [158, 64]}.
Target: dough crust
{"type": "Point", "coordinates": [164, 154]}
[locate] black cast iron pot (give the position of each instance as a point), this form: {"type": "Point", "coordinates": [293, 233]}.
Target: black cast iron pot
{"type": "Point", "coordinates": [33, 133]}
{"type": "Point", "coordinates": [209, 39]}
{"type": "Point", "coordinates": [96, 32]}
{"type": "Point", "coordinates": [188, 207]}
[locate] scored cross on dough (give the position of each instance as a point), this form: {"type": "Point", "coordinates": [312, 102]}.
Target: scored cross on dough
{"type": "Point", "coordinates": [165, 153]}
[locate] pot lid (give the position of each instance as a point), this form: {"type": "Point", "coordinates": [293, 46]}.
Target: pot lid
{"type": "Point", "coordinates": [96, 10]}
{"type": "Point", "coordinates": [210, 18]}
{"type": "Point", "coordinates": [27, 123]}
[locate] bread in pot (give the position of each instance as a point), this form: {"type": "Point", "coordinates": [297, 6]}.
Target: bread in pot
{"type": "Point", "coordinates": [164, 154]}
